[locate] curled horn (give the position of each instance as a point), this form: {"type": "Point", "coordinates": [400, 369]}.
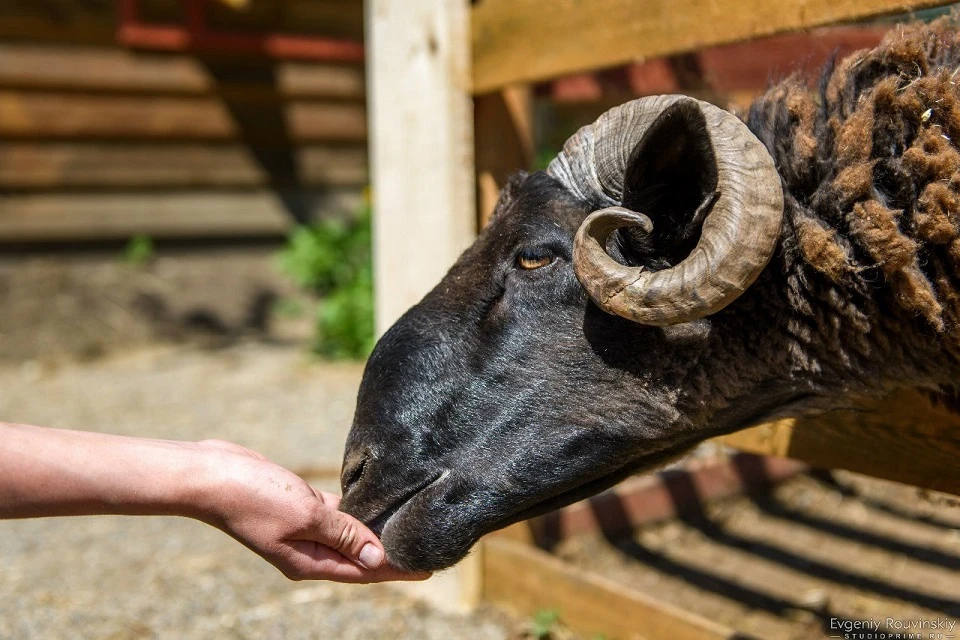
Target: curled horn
{"type": "Point", "coordinates": [738, 236]}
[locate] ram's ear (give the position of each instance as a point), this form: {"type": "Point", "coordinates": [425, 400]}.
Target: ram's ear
{"type": "Point", "coordinates": [509, 193]}
{"type": "Point", "coordinates": [672, 178]}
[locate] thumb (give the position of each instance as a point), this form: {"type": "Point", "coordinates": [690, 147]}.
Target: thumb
{"type": "Point", "coordinates": [349, 537]}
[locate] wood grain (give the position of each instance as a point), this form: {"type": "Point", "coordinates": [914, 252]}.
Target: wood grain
{"type": "Point", "coordinates": [104, 69]}
{"type": "Point", "coordinates": [28, 165]}
{"type": "Point", "coordinates": [518, 41]}
{"type": "Point", "coordinates": [84, 216]}
{"type": "Point", "coordinates": [503, 131]}
{"type": "Point", "coordinates": [906, 438]}
{"type": "Point", "coordinates": [70, 116]}
{"type": "Point", "coordinates": [527, 580]}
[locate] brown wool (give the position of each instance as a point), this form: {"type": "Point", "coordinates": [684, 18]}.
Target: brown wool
{"type": "Point", "coordinates": [915, 293]}
{"type": "Point", "coordinates": [873, 165]}
{"type": "Point", "coordinates": [931, 157]}
{"type": "Point", "coordinates": [876, 228]}
{"type": "Point", "coordinates": [802, 109]}
{"type": "Point", "coordinates": [937, 210]}
{"type": "Point", "coordinates": [854, 183]}
{"type": "Point", "coordinates": [855, 135]}
{"type": "Point", "coordinates": [820, 249]}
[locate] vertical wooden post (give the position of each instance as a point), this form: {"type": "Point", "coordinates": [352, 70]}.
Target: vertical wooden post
{"type": "Point", "coordinates": [421, 151]}
{"type": "Point", "coordinates": [421, 144]}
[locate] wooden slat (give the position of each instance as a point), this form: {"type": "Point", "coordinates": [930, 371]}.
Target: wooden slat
{"type": "Point", "coordinates": [71, 116]}
{"type": "Point", "coordinates": [527, 40]}
{"type": "Point", "coordinates": [98, 69]}
{"type": "Point", "coordinates": [503, 134]}
{"type": "Point", "coordinates": [94, 22]}
{"type": "Point", "coordinates": [906, 438]}
{"type": "Point", "coordinates": [60, 217]}
{"type": "Point", "coordinates": [83, 30]}
{"type": "Point", "coordinates": [26, 165]}
{"type": "Point", "coordinates": [527, 580]}
{"type": "Point", "coordinates": [337, 18]}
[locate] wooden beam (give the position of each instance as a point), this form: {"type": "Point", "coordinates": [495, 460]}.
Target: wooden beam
{"type": "Point", "coordinates": [906, 438]}
{"type": "Point", "coordinates": [71, 116]}
{"type": "Point", "coordinates": [95, 22]}
{"type": "Point", "coordinates": [84, 216]}
{"type": "Point", "coordinates": [529, 40]}
{"type": "Point", "coordinates": [103, 69]}
{"type": "Point", "coordinates": [83, 30]}
{"type": "Point", "coordinates": [527, 580]}
{"type": "Point", "coordinates": [504, 143]}
{"type": "Point", "coordinates": [30, 166]}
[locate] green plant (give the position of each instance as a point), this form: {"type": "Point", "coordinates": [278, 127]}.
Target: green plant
{"type": "Point", "coordinates": [543, 623]}
{"type": "Point", "coordinates": [138, 250]}
{"type": "Point", "coordinates": [333, 259]}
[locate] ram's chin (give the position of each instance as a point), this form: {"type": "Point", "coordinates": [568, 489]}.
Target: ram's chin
{"type": "Point", "coordinates": [413, 546]}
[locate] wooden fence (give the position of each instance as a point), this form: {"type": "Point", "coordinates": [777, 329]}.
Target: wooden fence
{"type": "Point", "coordinates": [100, 141]}
{"type": "Point", "coordinates": [450, 120]}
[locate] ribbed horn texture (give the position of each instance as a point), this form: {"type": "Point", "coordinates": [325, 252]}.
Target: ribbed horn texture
{"type": "Point", "coordinates": [738, 237]}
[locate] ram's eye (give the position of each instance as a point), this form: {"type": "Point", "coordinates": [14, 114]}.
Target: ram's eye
{"type": "Point", "coordinates": [534, 258]}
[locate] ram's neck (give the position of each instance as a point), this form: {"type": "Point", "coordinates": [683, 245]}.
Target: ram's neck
{"type": "Point", "coordinates": [869, 265]}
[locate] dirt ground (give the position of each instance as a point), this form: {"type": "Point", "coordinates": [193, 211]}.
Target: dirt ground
{"type": "Point", "coordinates": [188, 346]}
{"type": "Point", "coordinates": [794, 564]}
{"type": "Point", "coordinates": [87, 305]}
{"type": "Point", "coordinates": [112, 577]}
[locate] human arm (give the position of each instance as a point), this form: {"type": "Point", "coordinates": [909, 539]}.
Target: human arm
{"type": "Point", "coordinates": [56, 472]}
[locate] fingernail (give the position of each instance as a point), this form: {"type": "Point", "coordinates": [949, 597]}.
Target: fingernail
{"type": "Point", "coordinates": [371, 556]}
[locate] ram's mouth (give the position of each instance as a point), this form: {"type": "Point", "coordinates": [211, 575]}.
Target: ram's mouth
{"type": "Point", "coordinates": [380, 521]}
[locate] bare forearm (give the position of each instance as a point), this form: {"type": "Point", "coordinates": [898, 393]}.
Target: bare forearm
{"type": "Point", "coordinates": [52, 472]}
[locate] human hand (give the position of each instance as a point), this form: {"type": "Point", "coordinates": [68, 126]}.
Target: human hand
{"type": "Point", "coordinates": [276, 514]}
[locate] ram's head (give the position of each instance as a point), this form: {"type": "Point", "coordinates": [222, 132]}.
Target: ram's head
{"type": "Point", "coordinates": [577, 340]}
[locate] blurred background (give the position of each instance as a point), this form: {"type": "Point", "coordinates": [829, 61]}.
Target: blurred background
{"type": "Point", "coordinates": [185, 252]}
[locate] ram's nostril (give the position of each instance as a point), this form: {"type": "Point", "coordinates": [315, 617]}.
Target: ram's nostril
{"type": "Point", "coordinates": [353, 469]}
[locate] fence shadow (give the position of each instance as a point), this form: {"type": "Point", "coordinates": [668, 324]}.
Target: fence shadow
{"type": "Point", "coordinates": [614, 521]}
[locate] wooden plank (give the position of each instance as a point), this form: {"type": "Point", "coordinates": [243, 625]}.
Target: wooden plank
{"type": "Point", "coordinates": [26, 165]}
{"type": "Point", "coordinates": [529, 40]}
{"type": "Point", "coordinates": [906, 438]}
{"type": "Point", "coordinates": [421, 153]}
{"type": "Point", "coordinates": [81, 30]}
{"type": "Point", "coordinates": [504, 143]}
{"type": "Point", "coordinates": [71, 116]}
{"type": "Point", "coordinates": [103, 69]}
{"type": "Point", "coordinates": [527, 580]}
{"type": "Point", "coordinates": [336, 18]}
{"type": "Point", "coordinates": [84, 216]}
{"type": "Point", "coordinates": [94, 21]}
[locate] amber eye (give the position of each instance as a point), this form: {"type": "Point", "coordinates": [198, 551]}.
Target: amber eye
{"type": "Point", "coordinates": [534, 258]}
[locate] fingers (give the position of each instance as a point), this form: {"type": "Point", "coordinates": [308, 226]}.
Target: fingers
{"type": "Point", "coordinates": [313, 561]}
{"type": "Point", "coordinates": [349, 537]}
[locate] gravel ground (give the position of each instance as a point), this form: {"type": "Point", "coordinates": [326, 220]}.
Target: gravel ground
{"type": "Point", "coordinates": [113, 577]}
